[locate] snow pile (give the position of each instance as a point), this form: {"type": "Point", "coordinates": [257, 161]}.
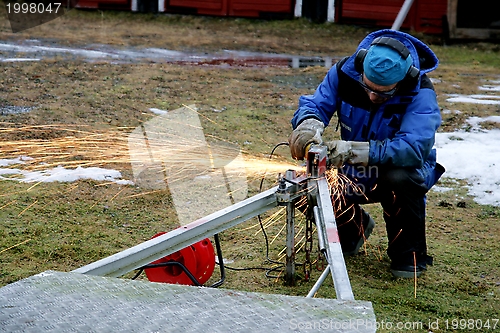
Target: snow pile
{"type": "Point", "coordinates": [475, 157]}
{"type": "Point", "coordinates": [59, 174]}
{"type": "Point", "coordinates": [473, 153]}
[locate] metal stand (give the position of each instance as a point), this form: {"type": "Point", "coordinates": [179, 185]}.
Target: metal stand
{"type": "Point", "coordinates": [313, 185]}
{"type": "Point", "coordinates": [290, 244]}
{"type": "Point", "coordinates": [318, 283]}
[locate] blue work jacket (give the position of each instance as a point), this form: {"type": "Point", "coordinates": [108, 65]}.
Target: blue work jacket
{"type": "Point", "coordinates": [401, 131]}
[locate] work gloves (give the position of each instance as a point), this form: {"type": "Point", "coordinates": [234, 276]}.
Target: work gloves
{"type": "Point", "coordinates": [352, 152]}
{"type": "Point", "coordinates": [309, 131]}
{"type": "Point", "coordinates": [340, 152]}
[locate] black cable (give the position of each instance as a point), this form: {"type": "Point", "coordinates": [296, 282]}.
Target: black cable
{"type": "Point", "coordinates": [280, 264]}
{"type": "Point", "coordinates": [139, 271]}
{"type": "Point", "coordinates": [268, 270]}
{"type": "Point", "coordinates": [221, 261]}
{"type": "Point", "coordinates": [170, 263]}
{"type": "Point", "coordinates": [246, 268]}
{"type": "Point", "coordinates": [221, 264]}
{"type": "Point", "coordinates": [270, 157]}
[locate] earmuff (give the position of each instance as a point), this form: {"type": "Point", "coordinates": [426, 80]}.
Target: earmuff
{"type": "Point", "coordinates": [413, 74]}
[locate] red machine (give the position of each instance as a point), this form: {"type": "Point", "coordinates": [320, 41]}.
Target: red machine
{"type": "Point", "coordinates": [197, 260]}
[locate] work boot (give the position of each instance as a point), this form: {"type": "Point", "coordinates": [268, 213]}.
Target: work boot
{"type": "Point", "coordinates": [352, 248]}
{"type": "Point", "coordinates": [406, 268]}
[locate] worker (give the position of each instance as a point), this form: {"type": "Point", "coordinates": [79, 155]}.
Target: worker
{"type": "Point", "coordinates": [387, 112]}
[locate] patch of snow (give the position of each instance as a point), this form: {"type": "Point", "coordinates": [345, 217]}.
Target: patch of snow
{"type": "Point", "coordinates": [475, 157]}
{"type": "Point", "coordinates": [158, 111]}
{"type": "Point", "coordinates": [475, 99]}
{"type": "Point", "coordinates": [61, 174]}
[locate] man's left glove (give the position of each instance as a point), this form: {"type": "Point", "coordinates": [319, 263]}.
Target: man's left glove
{"type": "Point", "coordinates": [309, 131]}
{"type": "Point", "coordinates": [352, 152]}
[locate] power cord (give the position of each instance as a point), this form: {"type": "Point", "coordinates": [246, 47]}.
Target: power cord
{"type": "Point", "coordinates": [280, 266]}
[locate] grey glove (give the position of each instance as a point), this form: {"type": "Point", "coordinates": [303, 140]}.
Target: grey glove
{"type": "Point", "coordinates": [309, 131]}
{"type": "Point", "coordinates": [352, 152]}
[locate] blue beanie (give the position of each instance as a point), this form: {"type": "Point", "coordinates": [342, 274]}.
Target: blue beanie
{"type": "Point", "coordinates": [385, 66]}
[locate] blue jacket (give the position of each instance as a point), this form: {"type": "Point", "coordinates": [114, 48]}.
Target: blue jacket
{"type": "Point", "coordinates": [401, 131]}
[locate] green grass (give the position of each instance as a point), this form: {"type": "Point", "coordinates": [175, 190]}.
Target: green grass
{"type": "Point", "coordinates": [483, 55]}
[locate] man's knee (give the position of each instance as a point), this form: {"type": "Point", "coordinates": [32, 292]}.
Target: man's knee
{"type": "Point", "coordinates": [401, 179]}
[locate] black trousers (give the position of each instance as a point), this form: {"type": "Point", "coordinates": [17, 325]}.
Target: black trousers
{"type": "Point", "coordinates": [402, 194]}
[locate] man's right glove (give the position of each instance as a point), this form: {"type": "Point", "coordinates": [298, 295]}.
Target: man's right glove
{"type": "Point", "coordinates": [309, 131]}
{"type": "Point", "coordinates": [352, 152]}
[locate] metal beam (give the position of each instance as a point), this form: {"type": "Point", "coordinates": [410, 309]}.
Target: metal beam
{"type": "Point", "coordinates": [402, 15]}
{"type": "Point", "coordinates": [290, 244]}
{"type": "Point", "coordinates": [298, 8]}
{"type": "Point", "coordinates": [173, 241]}
{"type": "Point", "coordinates": [318, 283]}
{"type": "Point", "coordinates": [290, 235]}
{"type": "Point", "coordinates": [330, 16]}
{"type": "Point", "coordinates": [333, 249]}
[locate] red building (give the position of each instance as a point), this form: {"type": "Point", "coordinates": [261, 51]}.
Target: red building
{"type": "Point", "coordinates": [238, 8]}
{"type": "Point", "coordinates": [455, 19]}
{"type": "Point", "coordinates": [427, 16]}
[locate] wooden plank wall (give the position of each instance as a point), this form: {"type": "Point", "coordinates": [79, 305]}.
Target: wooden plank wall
{"type": "Point", "coordinates": [424, 16]}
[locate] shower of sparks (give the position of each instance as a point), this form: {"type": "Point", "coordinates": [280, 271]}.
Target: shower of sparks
{"type": "Point", "coordinates": [81, 147]}
{"type": "Point", "coordinates": [85, 148]}
{"type": "Point", "coordinates": [8, 204]}
{"type": "Point", "coordinates": [44, 151]}
{"type": "Point", "coordinates": [275, 217]}
{"type": "Point", "coordinates": [76, 148]}
{"type": "Point", "coordinates": [338, 185]}
{"type": "Point", "coordinates": [396, 237]}
{"type": "Point", "coordinates": [24, 210]}
{"type": "Point", "coordinates": [14, 246]}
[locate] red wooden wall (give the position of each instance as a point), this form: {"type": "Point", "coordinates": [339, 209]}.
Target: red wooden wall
{"type": "Point", "coordinates": [241, 8]}
{"type": "Point", "coordinates": [103, 4]}
{"type": "Point", "coordinates": [255, 8]}
{"type": "Point", "coordinates": [202, 7]}
{"type": "Point", "coordinates": [424, 16]}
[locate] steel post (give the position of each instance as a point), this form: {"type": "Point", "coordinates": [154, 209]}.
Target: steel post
{"type": "Point", "coordinates": [402, 15]}
{"type": "Point", "coordinates": [290, 244]}
{"type": "Point", "coordinates": [290, 236]}
{"type": "Point", "coordinates": [318, 283]}
{"type": "Point", "coordinates": [333, 249]}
